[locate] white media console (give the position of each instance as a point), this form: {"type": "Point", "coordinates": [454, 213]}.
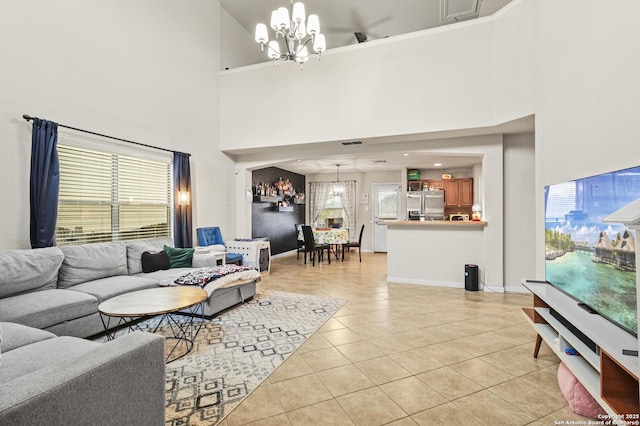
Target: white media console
{"type": "Point", "coordinates": [607, 373]}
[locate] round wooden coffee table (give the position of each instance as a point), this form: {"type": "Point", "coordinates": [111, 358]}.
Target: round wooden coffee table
{"type": "Point", "coordinates": [168, 302]}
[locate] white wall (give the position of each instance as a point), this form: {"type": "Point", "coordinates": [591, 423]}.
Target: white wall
{"type": "Point", "coordinates": [238, 46]}
{"type": "Point", "coordinates": [520, 212]}
{"type": "Point", "coordinates": [587, 93]}
{"type": "Point", "coordinates": [428, 81]}
{"type": "Point", "coordinates": [511, 77]}
{"type": "Point", "coordinates": [143, 70]}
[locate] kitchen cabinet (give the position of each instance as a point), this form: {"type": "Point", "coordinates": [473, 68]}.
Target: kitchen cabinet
{"type": "Point", "coordinates": [435, 183]}
{"type": "Point", "coordinates": [458, 192]}
{"type": "Point", "coordinates": [419, 185]}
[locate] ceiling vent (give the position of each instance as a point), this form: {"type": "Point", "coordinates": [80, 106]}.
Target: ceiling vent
{"type": "Point", "coordinates": [379, 161]}
{"type": "Point", "coordinates": [352, 143]}
{"type": "Point", "coordinates": [458, 10]}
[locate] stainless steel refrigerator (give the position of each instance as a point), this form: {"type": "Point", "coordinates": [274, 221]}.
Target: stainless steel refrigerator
{"type": "Point", "coordinates": [425, 205]}
{"type": "Point", "coordinates": [433, 205]}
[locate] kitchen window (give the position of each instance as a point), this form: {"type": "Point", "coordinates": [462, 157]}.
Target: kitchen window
{"type": "Point", "coordinates": [112, 196]}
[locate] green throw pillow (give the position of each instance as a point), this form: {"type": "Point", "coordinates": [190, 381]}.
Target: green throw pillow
{"type": "Point", "coordinates": [180, 257]}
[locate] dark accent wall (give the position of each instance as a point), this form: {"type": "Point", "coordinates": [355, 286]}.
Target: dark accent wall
{"type": "Point", "coordinates": [267, 221]}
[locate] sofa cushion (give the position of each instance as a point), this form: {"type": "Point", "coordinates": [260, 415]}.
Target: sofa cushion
{"type": "Point", "coordinates": [22, 271]}
{"type": "Point", "coordinates": [35, 356]}
{"type": "Point", "coordinates": [17, 335]}
{"type": "Point", "coordinates": [152, 262]}
{"type": "Point", "coordinates": [135, 248]}
{"type": "Point", "coordinates": [106, 288]}
{"type": "Point", "coordinates": [42, 309]}
{"type": "Point", "coordinates": [180, 257]}
{"type": "Point", "coordinates": [91, 262]}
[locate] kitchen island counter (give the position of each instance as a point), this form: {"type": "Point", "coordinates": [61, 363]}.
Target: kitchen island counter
{"type": "Point", "coordinates": [436, 223]}
{"type": "Point", "coordinates": [435, 252]}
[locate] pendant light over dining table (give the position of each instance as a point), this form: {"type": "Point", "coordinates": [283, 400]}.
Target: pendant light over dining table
{"type": "Point", "coordinates": [295, 33]}
{"type": "Point", "coordinates": [337, 186]}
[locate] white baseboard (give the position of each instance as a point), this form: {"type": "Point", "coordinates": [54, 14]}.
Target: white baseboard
{"type": "Point", "coordinates": [398, 280]}
{"type": "Point", "coordinates": [493, 289]}
{"type": "Point", "coordinates": [516, 289]}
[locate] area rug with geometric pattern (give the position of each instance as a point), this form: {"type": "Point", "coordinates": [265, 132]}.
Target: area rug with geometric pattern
{"type": "Point", "coordinates": [234, 352]}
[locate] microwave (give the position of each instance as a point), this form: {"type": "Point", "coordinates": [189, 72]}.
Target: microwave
{"type": "Point", "coordinates": [458, 217]}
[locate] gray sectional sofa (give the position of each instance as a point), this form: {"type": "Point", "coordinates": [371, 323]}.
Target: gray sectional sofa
{"type": "Point", "coordinates": [50, 374]}
{"type": "Point", "coordinates": [56, 381]}
{"type": "Point", "coordinates": [59, 289]}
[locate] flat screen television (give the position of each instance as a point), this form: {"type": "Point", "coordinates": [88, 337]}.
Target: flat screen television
{"type": "Point", "coordinates": [592, 261]}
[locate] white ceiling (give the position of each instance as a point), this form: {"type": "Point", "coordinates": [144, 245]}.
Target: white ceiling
{"type": "Point", "coordinates": [339, 19]}
{"type": "Point", "coordinates": [389, 161]}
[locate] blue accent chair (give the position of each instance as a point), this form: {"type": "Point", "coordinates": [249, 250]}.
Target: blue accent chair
{"type": "Point", "coordinates": [210, 236]}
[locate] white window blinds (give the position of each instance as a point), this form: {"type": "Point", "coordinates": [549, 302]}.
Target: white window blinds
{"type": "Point", "coordinates": [106, 196]}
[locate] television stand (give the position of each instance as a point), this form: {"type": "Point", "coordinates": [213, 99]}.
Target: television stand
{"type": "Point", "coordinates": [607, 373]}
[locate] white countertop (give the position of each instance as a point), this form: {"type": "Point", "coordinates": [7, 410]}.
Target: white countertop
{"type": "Point", "coordinates": [440, 223]}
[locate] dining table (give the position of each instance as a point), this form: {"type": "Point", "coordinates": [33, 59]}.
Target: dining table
{"type": "Point", "coordinates": [335, 237]}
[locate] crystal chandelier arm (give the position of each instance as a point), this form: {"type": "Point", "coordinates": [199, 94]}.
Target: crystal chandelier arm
{"type": "Point", "coordinates": [301, 45]}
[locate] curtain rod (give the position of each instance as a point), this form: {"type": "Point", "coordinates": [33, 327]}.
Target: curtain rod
{"type": "Point", "coordinates": [29, 118]}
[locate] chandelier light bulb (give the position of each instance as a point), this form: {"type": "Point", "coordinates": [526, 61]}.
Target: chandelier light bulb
{"type": "Point", "coordinates": [298, 15]}
{"type": "Point", "coordinates": [274, 50]}
{"type": "Point", "coordinates": [283, 19]}
{"type": "Point", "coordinates": [301, 31]}
{"type": "Point", "coordinates": [274, 20]}
{"type": "Point", "coordinates": [313, 25]}
{"type": "Point", "coordinates": [319, 44]}
{"type": "Point", "coordinates": [262, 36]}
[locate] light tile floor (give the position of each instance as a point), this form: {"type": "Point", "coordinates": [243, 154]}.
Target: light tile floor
{"type": "Point", "coordinates": [403, 354]}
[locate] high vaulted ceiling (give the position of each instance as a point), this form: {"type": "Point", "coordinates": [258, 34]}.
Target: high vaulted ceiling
{"type": "Point", "coordinates": [339, 20]}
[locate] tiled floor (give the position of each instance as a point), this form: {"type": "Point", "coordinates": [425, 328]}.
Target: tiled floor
{"type": "Point", "coordinates": [406, 355]}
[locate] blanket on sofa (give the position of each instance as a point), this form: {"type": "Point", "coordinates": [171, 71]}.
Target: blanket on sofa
{"type": "Point", "coordinates": [214, 277]}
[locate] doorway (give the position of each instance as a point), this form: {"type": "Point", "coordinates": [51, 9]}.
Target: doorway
{"type": "Point", "coordinates": [386, 206]}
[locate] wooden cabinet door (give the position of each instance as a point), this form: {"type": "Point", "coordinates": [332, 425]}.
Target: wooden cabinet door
{"type": "Point", "coordinates": [451, 193]}
{"type": "Point", "coordinates": [435, 184]}
{"type": "Point", "coordinates": [466, 192]}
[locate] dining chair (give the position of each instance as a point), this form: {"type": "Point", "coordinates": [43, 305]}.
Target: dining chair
{"type": "Point", "coordinates": [312, 248]}
{"type": "Point", "coordinates": [299, 242]}
{"type": "Point", "coordinates": [353, 244]}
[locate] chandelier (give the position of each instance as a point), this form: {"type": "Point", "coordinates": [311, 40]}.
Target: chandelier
{"type": "Point", "coordinates": [294, 32]}
{"type": "Point", "coordinates": [337, 186]}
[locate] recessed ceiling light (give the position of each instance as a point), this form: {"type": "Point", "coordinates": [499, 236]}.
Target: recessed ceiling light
{"type": "Point", "coordinates": [437, 164]}
{"type": "Point", "coordinates": [405, 154]}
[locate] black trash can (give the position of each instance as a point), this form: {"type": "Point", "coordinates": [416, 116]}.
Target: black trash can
{"type": "Point", "coordinates": [471, 277]}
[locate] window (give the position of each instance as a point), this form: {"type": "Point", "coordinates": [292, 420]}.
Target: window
{"type": "Point", "coordinates": [333, 212]}
{"type": "Point", "coordinates": [107, 196]}
{"type": "Point", "coordinates": [387, 204]}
